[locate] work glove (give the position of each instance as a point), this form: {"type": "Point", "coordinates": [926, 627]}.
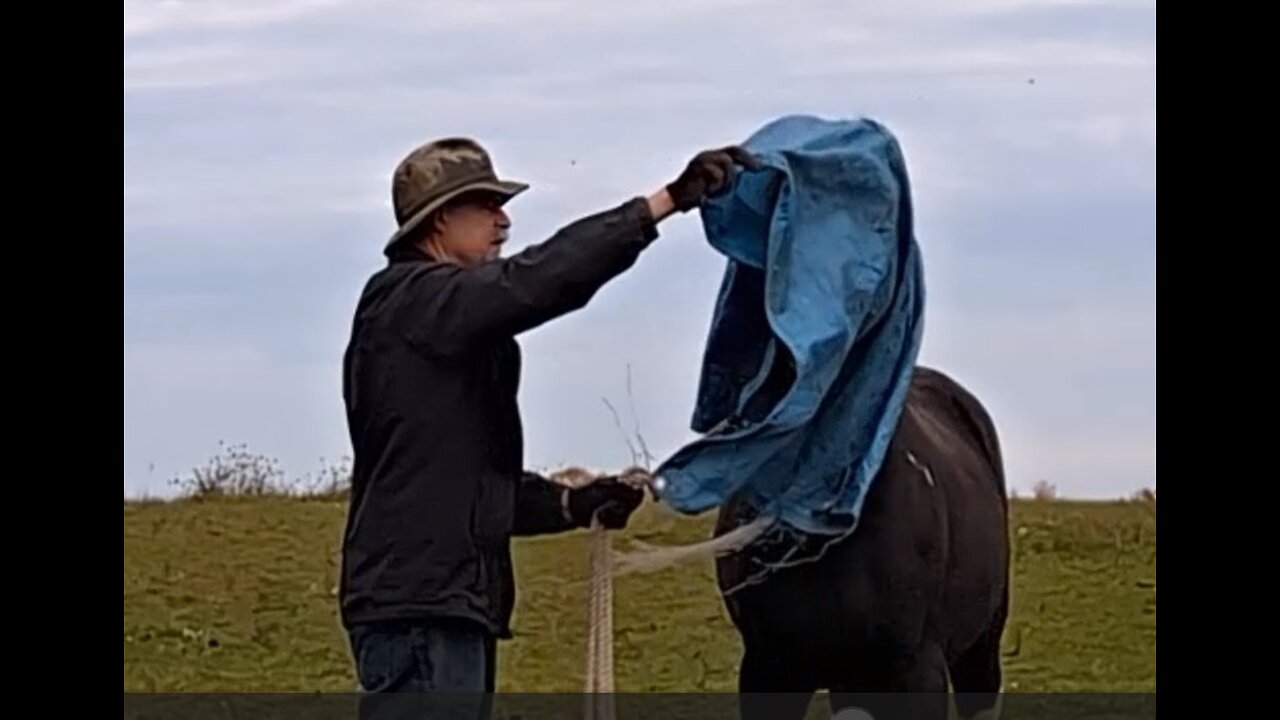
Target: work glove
{"type": "Point", "coordinates": [608, 498]}
{"type": "Point", "coordinates": [708, 174]}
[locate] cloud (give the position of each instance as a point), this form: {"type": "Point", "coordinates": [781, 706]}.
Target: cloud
{"type": "Point", "coordinates": [326, 110]}
{"type": "Point", "coordinates": [182, 399]}
{"type": "Point", "coordinates": [260, 137]}
{"type": "Point", "coordinates": [153, 17]}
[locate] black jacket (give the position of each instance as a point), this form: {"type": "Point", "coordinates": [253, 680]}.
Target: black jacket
{"type": "Point", "coordinates": [430, 378]}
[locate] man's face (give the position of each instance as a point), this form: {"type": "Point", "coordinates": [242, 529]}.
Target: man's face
{"type": "Point", "coordinates": [472, 230]}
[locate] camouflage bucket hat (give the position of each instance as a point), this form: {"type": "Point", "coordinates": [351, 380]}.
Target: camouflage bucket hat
{"type": "Point", "coordinates": [435, 173]}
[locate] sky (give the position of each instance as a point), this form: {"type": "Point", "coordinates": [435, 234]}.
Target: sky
{"type": "Point", "coordinates": [260, 138]}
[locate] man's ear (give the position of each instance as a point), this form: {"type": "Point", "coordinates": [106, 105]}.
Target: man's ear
{"type": "Point", "coordinates": [439, 220]}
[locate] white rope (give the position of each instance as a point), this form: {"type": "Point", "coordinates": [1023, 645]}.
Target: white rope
{"type": "Point", "coordinates": [650, 558]}
{"type": "Point", "coordinates": [603, 567]}
{"type": "Point", "coordinates": [600, 688]}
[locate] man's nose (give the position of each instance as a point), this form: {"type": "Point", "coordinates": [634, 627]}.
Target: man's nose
{"type": "Point", "coordinates": [501, 219]}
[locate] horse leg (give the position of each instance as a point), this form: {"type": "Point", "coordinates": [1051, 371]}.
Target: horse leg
{"type": "Point", "coordinates": [893, 685]}
{"type": "Point", "coordinates": [976, 675]}
{"type": "Point", "coordinates": [772, 688]}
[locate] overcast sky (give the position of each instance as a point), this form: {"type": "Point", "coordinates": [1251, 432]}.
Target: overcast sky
{"type": "Point", "coordinates": [260, 136]}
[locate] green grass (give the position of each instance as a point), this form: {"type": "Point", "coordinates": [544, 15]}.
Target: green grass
{"type": "Point", "coordinates": [236, 595]}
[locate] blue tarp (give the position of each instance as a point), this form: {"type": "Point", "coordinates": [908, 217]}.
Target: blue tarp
{"type": "Point", "coordinates": [816, 328]}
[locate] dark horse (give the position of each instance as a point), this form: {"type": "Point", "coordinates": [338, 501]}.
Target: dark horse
{"type": "Point", "coordinates": [916, 597]}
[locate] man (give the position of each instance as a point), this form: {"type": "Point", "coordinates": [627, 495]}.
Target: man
{"type": "Point", "coordinates": [430, 380]}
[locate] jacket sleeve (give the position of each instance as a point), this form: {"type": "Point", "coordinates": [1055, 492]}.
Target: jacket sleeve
{"type": "Point", "coordinates": [539, 507]}
{"type": "Point", "coordinates": [453, 308]}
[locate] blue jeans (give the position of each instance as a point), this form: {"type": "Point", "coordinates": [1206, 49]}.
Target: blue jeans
{"type": "Point", "coordinates": [423, 656]}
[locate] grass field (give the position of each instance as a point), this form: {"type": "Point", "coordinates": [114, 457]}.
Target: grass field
{"type": "Point", "coordinates": [236, 595]}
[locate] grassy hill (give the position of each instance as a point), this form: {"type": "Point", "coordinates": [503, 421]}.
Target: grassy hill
{"type": "Point", "coordinates": [235, 594]}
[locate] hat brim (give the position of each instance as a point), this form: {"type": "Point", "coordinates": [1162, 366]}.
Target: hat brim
{"type": "Point", "coordinates": [507, 189]}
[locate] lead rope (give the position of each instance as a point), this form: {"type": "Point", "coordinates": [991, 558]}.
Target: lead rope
{"type": "Point", "coordinates": [600, 688]}
{"type": "Point", "coordinates": [599, 680]}
{"type": "Point", "coordinates": [599, 693]}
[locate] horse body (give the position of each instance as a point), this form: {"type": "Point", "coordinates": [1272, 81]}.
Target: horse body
{"type": "Point", "coordinates": [916, 598]}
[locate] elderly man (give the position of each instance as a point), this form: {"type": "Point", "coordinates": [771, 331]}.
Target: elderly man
{"type": "Point", "coordinates": [430, 381]}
